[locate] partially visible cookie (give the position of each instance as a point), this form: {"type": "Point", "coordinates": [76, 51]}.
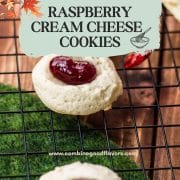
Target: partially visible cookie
{"type": "Point", "coordinates": [83, 99]}
{"type": "Point", "coordinates": [81, 171]}
{"type": "Point", "coordinates": [174, 7]}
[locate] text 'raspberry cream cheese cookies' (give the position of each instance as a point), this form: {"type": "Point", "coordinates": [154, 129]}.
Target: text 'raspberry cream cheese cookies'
{"type": "Point", "coordinates": [76, 86]}
{"type": "Point", "coordinates": [81, 171]}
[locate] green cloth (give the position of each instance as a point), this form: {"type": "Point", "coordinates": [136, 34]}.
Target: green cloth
{"type": "Point", "coordinates": [43, 141]}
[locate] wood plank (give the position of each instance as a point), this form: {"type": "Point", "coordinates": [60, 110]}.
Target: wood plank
{"type": "Point", "coordinates": [123, 118]}
{"type": "Point", "coordinates": [8, 63]}
{"type": "Point", "coordinates": [169, 96]}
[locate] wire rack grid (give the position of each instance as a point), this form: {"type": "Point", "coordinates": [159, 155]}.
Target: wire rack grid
{"type": "Point", "coordinates": [158, 122]}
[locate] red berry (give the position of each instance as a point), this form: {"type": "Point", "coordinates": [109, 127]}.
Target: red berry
{"type": "Point", "coordinates": [134, 59]}
{"type": "Point", "coordinates": [72, 72]}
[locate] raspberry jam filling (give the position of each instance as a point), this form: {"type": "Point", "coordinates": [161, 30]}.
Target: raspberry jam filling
{"type": "Point", "coordinates": [72, 72]}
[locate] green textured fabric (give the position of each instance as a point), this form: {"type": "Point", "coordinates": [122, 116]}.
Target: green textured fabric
{"type": "Point", "coordinates": [43, 141]}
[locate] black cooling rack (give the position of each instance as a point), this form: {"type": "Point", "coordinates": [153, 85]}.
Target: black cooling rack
{"type": "Point", "coordinates": [156, 87]}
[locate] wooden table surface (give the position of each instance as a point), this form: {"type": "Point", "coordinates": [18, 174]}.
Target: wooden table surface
{"type": "Point", "coordinates": [140, 96]}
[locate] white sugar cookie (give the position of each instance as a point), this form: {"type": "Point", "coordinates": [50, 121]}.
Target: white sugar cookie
{"type": "Point", "coordinates": [174, 7]}
{"type": "Point", "coordinates": [81, 99]}
{"type": "Point", "coordinates": [81, 171]}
